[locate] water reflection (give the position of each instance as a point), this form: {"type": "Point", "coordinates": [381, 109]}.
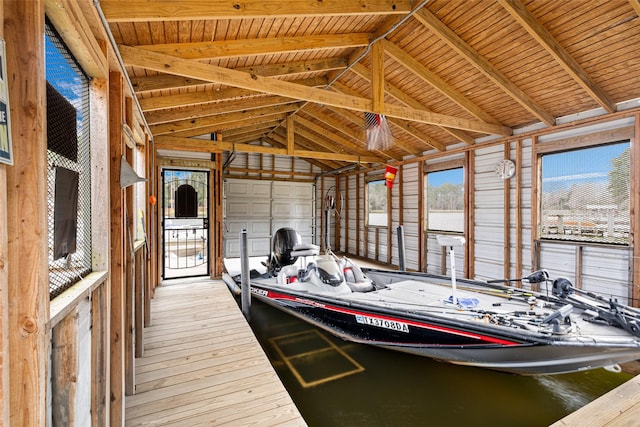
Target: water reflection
{"type": "Point", "coordinates": [396, 389]}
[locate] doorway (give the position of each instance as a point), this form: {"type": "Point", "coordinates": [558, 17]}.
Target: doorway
{"type": "Point", "coordinates": [185, 223]}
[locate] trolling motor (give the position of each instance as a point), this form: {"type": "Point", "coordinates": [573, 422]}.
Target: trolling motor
{"type": "Point", "coordinates": [615, 314]}
{"type": "Point", "coordinates": [538, 276]}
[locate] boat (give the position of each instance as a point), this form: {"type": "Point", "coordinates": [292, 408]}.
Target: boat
{"type": "Point", "coordinates": [493, 324]}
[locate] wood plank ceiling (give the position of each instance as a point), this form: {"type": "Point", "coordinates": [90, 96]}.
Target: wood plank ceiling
{"type": "Point", "coordinates": [295, 76]}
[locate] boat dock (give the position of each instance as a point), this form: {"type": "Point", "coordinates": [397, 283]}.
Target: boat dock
{"type": "Point", "coordinates": [619, 407]}
{"type": "Point", "coordinates": [202, 364]}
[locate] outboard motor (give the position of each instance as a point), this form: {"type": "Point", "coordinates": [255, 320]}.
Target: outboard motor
{"type": "Point", "coordinates": [284, 240]}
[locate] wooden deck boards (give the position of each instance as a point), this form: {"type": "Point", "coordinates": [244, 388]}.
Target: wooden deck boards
{"type": "Point", "coordinates": [202, 365]}
{"type": "Point", "coordinates": [620, 407]}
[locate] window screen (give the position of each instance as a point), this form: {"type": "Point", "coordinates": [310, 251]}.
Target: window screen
{"type": "Point", "coordinates": [585, 194]}
{"type": "Point", "coordinates": [68, 167]}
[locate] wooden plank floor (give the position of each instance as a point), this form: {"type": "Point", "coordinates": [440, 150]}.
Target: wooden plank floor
{"type": "Point", "coordinates": [202, 365]}
{"type": "Point", "coordinates": [620, 407]}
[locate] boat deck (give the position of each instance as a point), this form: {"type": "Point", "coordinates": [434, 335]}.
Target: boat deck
{"type": "Point", "coordinates": [202, 365]}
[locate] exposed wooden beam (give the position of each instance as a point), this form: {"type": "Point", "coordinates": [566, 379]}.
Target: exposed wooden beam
{"type": "Point", "coordinates": [222, 127]}
{"type": "Point", "coordinates": [394, 122]}
{"type": "Point", "coordinates": [291, 132]}
{"type": "Point", "coordinates": [203, 110]}
{"type": "Point", "coordinates": [266, 46]}
{"type": "Point", "coordinates": [520, 13]}
{"type": "Point", "coordinates": [636, 6]}
{"type": "Point", "coordinates": [166, 63]}
{"type": "Point", "coordinates": [417, 133]}
{"type": "Point", "coordinates": [248, 129]}
{"type": "Point", "coordinates": [334, 143]}
{"type": "Point", "coordinates": [140, 11]}
{"type": "Point", "coordinates": [70, 22]}
{"type": "Point", "coordinates": [211, 96]}
{"type": "Point", "coordinates": [219, 119]}
{"type": "Point", "coordinates": [342, 129]}
{"type": "Point", "coordinates": [277, 140]}
{"type": "Point", "coordinates": [154, 103]}
{"type": "Point", "coordinates": [398, 94]}
{"type": "Point", "coordinates": [377, 76]}
{"type": "Point", "coordinates": [296, 67]}
{"type": "Point", "coordinates": [245, 138]}
{"type": "Point", "coordinates": [336, 140]}
{"type": "Point", "coordinates": [430, 21]}
{"type": "Point", "coordinates": [166, 142]}
{"type": "Point", "coordinates": [144, 84]}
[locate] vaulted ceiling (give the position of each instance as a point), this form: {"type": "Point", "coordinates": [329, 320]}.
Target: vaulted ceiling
{"type": "Point", "coordinates": [296, 77]}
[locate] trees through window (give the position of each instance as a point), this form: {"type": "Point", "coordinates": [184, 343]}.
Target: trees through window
{"type": "Point", "coordinates": [585, 194]}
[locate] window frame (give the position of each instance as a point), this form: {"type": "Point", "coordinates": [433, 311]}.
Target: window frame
{"type": "Point", "coordinates": [379, 179]}
{"type": "Point", "coordinates": [576, 143]}
{"type": "Point", "coordinates": [441, 167]}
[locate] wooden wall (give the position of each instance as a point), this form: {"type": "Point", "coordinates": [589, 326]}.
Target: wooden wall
{"type": "Point", "coordinates": [63, 362]}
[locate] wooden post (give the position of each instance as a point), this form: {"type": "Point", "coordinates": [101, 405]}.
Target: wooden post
{"type": "Point", "coordinates": [98, 93]}
{"type": "Point", "coordinates": [358, 210]}
{"type": "Point", "coordinates": [337, 219]}
{"type": "Point", "coordinates": [518, 210]}
{"type": "Point", "coordinates": [322, 208]}
{"type": "Point", "coordinates": [506, 218]}
{"type": "Point", "coordinates": [345, 213]}
{"type": "Point", "coordinates": [389, 225]}
{"type": "Point", "coordinates": [470, 223]}
{"type": "Point", "coordinates": [130, 266]}
{"type": "Point", "coordinates": [535, 201]}
{"type": "Point", "coordinates": [635, 213]}
{"type": "Point", "coordinates": [27, 213]}
{"type": "Point", "coordinates": [422, 237]}
{"type": "Point", "coordinates": [64, 367]}
{"type": "Point", "coordinates": [100, 356]}
{"type": "Point", "coordinates": [4, 284]}
{"type": "Point", "coordinates": [117, 250]}
{"type": "Point", "coordinates": [139, 301]}
{"type": "Point", "coordinates": [218, 183]}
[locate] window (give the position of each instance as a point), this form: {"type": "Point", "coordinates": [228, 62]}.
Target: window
{"type": "Point", "coordinates": [445, 200]}
{"type": "Point", "coordinates": [68, 167]}
{"type": "Point", "coordinates": [585, 194]}
{"type": "Point", "coordinates": [377, 203]}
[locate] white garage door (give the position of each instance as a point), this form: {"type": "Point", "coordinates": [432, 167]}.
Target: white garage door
{"type": "Point", "coordinates": [261, 208]}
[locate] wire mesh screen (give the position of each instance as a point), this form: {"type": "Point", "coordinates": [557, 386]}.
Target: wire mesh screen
{"type": "Point", "coordinates": [586, 194]}
{"type": "Point", "coordinates": [68, 167]}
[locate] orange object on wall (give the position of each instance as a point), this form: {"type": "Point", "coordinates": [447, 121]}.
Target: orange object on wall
{"type": "Point", "coordinates": [390, 175]}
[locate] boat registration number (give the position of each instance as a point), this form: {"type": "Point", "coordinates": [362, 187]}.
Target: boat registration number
{"type": "Point", "coordinates": [382, 323]}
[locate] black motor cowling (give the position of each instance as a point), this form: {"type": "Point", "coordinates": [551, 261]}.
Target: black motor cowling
{"type": "Point", "coordinates": [284, 240]}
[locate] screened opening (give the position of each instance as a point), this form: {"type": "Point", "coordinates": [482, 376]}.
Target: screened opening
{"type": "Point", "coordinates": [445, 200]}
{"type": "Point", "coordinates": [68, 167]}
{"type": "Point", "coordinates": [377, 203]}
{"type": "Point", "coordinates": [586, 194]}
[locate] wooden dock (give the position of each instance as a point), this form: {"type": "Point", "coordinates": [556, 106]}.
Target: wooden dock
{"type": "Point", "coordinates": [620, 407]}
{"type": "Point", "coordinates": [202, 365]}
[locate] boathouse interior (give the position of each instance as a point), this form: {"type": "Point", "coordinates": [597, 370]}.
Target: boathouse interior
{"type": "Point", "coordinates": [138, 139]}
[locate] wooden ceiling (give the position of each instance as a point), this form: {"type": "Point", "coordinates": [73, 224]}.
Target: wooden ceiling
{"type": "Point", "coordinates": [295, 76]}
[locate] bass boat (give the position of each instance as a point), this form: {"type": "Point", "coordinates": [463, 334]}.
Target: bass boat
{"type": "Point", "coordinates": [467, 322]}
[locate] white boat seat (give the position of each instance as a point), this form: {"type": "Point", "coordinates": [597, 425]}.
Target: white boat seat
{"type": "Point", "coordinates": [305, 250]}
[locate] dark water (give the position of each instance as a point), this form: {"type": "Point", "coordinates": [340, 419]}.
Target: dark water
{"type": "Point", "coordinates": [336, 383]}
